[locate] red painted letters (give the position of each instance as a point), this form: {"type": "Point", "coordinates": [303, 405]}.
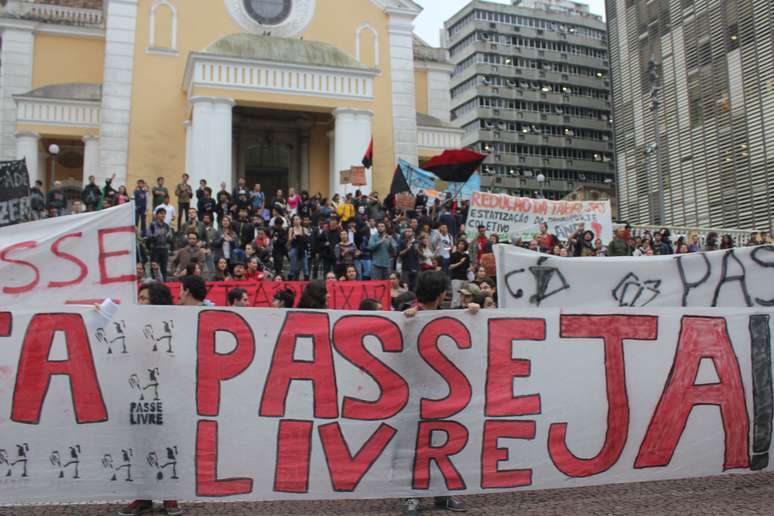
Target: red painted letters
{"type": "Point", "coordinates": [35, 370]}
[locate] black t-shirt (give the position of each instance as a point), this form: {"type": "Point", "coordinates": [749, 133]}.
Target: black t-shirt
{"type": "Point", "coordinates": [461, 272]}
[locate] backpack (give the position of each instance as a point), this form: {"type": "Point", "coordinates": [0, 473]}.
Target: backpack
{"type": "Point", "coordinates": [91, 197]}
{"type": "Point", "coordinates": [37, 202]}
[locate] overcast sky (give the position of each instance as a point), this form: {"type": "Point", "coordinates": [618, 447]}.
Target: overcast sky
{"type": "Point", "coordinates": [429, 23]}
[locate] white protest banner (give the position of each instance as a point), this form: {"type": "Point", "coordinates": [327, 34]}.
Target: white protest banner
{"type": "Point", "coordinates": [75, 259]}
{"type": "Point", "coordinates": [195, 403]}
{"type": "Point", "coordinates": [520, 217]}
{"type": "Point", "coordinates": [735, 277]}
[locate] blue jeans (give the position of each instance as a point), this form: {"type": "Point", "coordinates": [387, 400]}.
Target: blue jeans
{"type": "Point", "coordinates": [299, 262]}
{"type": "Point", "coordinates": [363, 266]}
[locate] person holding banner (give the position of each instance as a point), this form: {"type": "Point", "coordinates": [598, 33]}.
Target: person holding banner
{"type": "Point", "coordinates": [431, 292]}
{"type": "Point", "coordinates": [153, 293]}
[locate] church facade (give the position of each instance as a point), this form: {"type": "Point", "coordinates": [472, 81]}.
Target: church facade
{"type": "Point", "coordinates": [286, 93]}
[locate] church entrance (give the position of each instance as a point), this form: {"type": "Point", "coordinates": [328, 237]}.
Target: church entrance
{"type": "Point", "coordinates": [268, 164]}
{"type": "Point", "coordinates": [272, 148]}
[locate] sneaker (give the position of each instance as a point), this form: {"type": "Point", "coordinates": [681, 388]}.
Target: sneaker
{"type": "Point", "coordinates": [412, 507]}
{"type": "Point", "coordinates": [170, 508]}
{"type": "Point", "coordinates": [450, 503]}
{"type": "Point", "coordinates": [136, 508]}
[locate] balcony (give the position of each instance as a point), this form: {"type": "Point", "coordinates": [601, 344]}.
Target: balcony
{"type": "Point", "coordinates": [56, 14]}
{"type": "Point", "coordinates": [435, 134]}
{"type": "Point", "coordinates": [72, 105]}
{"type": "Point", "coordinates": [249, 62]}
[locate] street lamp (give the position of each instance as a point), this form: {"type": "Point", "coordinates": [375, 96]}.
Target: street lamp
{"type": "Point", "coordinates": [541, 179]}
{"type": "Point", "coordinates": [53, 149]}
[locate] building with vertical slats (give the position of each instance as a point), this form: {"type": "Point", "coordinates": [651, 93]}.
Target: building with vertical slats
{"type": "Point", "coordinates": [715, 68]}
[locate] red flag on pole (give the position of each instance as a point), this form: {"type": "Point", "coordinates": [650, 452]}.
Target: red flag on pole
{"type": "Point", "coordinates": [368, 159]}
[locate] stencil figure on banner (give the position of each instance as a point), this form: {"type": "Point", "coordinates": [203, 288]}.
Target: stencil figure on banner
{"type": "Point", "coordinates": [74, 259]}
{"type": "Point", "coordinates": [737, 277]}
{"type": "Point", "coordinates": [367, 404]}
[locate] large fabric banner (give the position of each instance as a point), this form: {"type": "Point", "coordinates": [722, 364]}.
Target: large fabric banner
{"type": "Point", "coordinates": [75, 259]}
{"type": "Point", "coordinates": [14, 192]}
{"type": "Point", "coordinates": [514, 218]}
{"type": "Point", "coordinates": [735, 277]}
{"type": "Point", "coordinates": [434, 187]}
{"type": "Point", "coordinates": [195, 403]}
{"type": "Point", "coordinates": [342, 295]}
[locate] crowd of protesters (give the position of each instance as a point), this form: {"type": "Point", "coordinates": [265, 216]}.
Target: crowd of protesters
{"type": "Point", "coordinates": [246, 234]}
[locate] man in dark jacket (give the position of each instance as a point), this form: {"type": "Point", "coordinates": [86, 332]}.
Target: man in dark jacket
{"type": "Point", "coordinates": [90, 195]}
{"type": "Point", "coordinates": [159, 237]}
{"type": "Point", "coordinates": [37, 200]}
{"type": "Point", "coordinates": [56, 201]}
{"type": "Point", "coordinates": [140, 205]}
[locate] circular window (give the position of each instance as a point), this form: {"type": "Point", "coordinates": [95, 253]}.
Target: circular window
{"type": "Point", "coordinates": [268, 12]}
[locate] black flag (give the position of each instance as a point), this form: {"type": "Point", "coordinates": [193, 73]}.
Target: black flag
{"type": "Point", "coordinates": [14, 192]}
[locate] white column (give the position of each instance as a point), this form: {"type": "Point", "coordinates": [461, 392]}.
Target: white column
{"type": "Point", "coordinates": [211, 136]}
{"type": "Point", "coordinates": [91, 161]}
{"type": "Point", "coordinates": [15, 78]}
{"type": "Point", "coordinates": [188, 135]}
{"type": "Point", "coordinates": [404, 112]}
{"type": "Point", "coordinates": [352, 136]}
{"type": "Point", "coordinates": [116, 107]}
{"type": "Point", "coordinates": [27, 145]}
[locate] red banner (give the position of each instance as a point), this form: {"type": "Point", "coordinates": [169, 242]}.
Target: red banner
{"type": "Point", "coordinates": [342, 295]}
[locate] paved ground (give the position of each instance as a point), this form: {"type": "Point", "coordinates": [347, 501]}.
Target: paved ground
{"type": "Point", "coordinates": [731, 495]}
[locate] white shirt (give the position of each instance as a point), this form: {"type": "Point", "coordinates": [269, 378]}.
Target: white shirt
{"type": "Point", "coordinates": [170, 212]}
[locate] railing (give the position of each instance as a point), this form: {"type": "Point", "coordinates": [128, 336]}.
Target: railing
{"type": "Point", "coordinates": [439, 138]}
{"type": "Point", "coordinates": [739, 236]}
{"type": "Point", "coordinates": [56, 13]}
{"type": "Point", "coordinates": [58, 112]}
{"type": "Point", "coordinates": [208, 71]}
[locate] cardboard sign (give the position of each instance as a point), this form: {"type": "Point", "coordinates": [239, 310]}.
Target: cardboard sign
{"type": "Point", "coordinates": [358, 176]}
{"type": "Point", "coordinates": [14, 192]}
{"type": "Point", "coordinates": [217, 404]}
{"type": "Point", "coordinates": [74, 259]}
{"type": "Point", "coordinates": [520, 217]}
{"type": "Point", "coordinates": [405, 201]}
{"type": "Point", "coordinates": [342, 295]}
{"type": "Point", "coordinates": [345, 177]}
{"type": "Point", "coordinates": [740, 277]}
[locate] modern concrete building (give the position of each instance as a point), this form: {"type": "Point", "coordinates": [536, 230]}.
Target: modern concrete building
{"type": "Point", "coordinates": [531, 88]}
{"type": "Point", "coordinates": [713, 73]}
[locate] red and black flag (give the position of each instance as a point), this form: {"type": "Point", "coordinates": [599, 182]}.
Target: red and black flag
{"type": "Point", "coordinates": [455, 165]}
{"type": "Point", "coordinates": [368, 159]}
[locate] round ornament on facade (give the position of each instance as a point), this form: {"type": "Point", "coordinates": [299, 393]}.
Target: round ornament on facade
{"type": "Point", "coordinates": [281, 18]}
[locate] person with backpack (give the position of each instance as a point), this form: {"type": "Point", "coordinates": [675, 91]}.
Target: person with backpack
{"type": "Point", "coordinates": [90, 195]}
{"type": "Point", "coordinates": [37, 200]}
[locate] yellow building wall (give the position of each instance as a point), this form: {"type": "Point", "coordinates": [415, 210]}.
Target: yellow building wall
{"type": "Point", "coordinates": [59, 59]}
{"type": "Point", "coordinates": [160, 106]}
{"type": "Point", "coordinates": [420, 90]}
{"type": "Point", "coordinates": [319, 160]}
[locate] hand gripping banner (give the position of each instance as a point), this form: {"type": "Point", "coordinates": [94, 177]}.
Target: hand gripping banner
{"type": "Point", "coordinates": [188, 403]}
{"type": "Point", "coordinates": [75, 259]}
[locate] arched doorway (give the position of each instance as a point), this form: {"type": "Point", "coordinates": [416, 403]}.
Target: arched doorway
{"type": "Point", "coordinates": [268, 164]}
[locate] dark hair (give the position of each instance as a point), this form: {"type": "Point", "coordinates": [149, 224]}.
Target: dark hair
{"type": "Point", "coordinates": [158, 293]}
{"type": "Point", "coordinates": [369, 304]}
{"type": "Point", "coordinates": [195, 285]}
{"type": "Point", "coordinates": [404, 301]}
{"type": "Point", "coordinates": [190, 269]}
{"type": "Point", "coordinates": [235, 295]}
{"type": "Point", "coordinates": [430, 286]}
{"type": "Point", "coordinates": [160, 177]}
{"type": "Point", "coordinates": [314, 296]}
{"type": "Point", "coordinates": [161, 209]}
{"type": "Point", "coordinates": [287, 297]}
